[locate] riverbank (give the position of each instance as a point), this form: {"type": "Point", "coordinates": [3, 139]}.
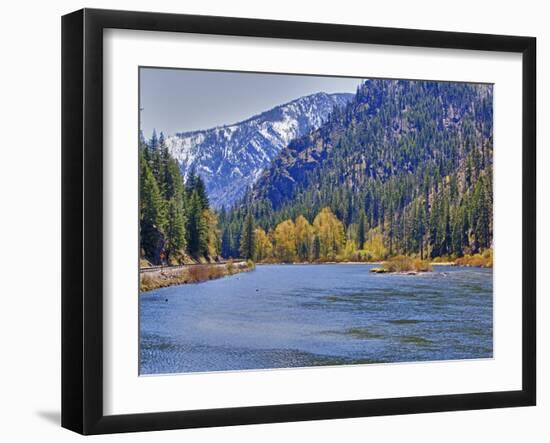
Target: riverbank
{"type": "Point", "coordinates": [155, 278]}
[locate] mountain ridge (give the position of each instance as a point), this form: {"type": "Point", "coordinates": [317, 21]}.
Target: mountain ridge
{"type": "Point", "coordinates": [231, 157]}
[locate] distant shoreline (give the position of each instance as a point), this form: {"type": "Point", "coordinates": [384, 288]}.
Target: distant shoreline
{"type": "Point", "coordinates": [346, 263]}
{"type": "Point", "coordinates": [157, 277]}
{"type": "Point", "coordinates": [319, 263]}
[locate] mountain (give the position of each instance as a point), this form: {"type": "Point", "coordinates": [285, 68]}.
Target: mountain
{"type": "Point", "coordinates": [390, 128]}
{"type": "Point", "coordinates": [411, 161]}
{"type": "Point", "coordinates": [231, 158]}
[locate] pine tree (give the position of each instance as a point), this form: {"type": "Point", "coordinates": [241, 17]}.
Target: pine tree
{"type": "Point", "coordinates": [153, 143]}
{"type": "Point", "coordinates": [175, 229]}
{"type": "Point", "coordinates": [361, 231]}
{"type": "Point", "coordinates": [421, 228]}
{"type": "Point", "coordinates": [317, 247]}
{"type": "Point", "coordinates": [157, 167]}
{"type": "Point", "coordinates": [200, 188]}
{"type": "Point", "coordinates": [151, 215]}
{"type": "Point", "coordinates": [481, 216]}
{"type": "Point", "coordinates": [190, 182]}
{"type": "Point", "coordinates": [226, 247]}
{"type": "Point", "coordinates": [247, 247]}
{"type": "Point", "coordinates": [197, 241]}
{"type": "Point", "coordinates": [435, 216]}
{"type": "Point", "coordinates": [173, 182]}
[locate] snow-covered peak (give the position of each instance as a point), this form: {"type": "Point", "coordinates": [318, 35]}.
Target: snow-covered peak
{"type": "Point", "coordinates": [231, 158]}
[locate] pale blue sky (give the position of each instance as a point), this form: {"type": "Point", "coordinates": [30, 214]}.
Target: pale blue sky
{"type": "Point", "coordinates": [178, 100]}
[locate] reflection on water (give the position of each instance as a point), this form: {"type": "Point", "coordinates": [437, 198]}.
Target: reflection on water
{"type": "Point", "coordinates": [281, 316]}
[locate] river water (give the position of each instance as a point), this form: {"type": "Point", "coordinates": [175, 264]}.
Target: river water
{"type": "Point", "coordinates": [282, 316]}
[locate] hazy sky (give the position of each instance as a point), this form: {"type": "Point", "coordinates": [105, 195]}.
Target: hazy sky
{"type": "Point", "coordinates": [178, 100]}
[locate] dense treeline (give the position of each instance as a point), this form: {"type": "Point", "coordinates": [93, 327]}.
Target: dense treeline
{"type": "Point", "coordinates": [176, 222]}
{"type": "Point", "coordinates": [405, 168]}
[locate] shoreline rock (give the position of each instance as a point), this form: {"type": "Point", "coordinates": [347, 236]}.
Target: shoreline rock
{"type": "Point", "coordinates": [386, 271]}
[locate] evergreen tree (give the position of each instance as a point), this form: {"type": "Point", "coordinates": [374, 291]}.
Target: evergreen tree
{"type": "Point", "coordinates": [153, 143]}
{"type": "Point", "coordinates": [175, 229]}
{"type": "Point", "coordinates": [316, 247]}
{"type": "Point", "coordinates": [151, 215]}
{"type": "Point", "coordinates": [158, 165]}
{"type": "Point", "coordinates": [227, 247]}
{"type": "Point", "coordinates": [248, 246]}
{"type": "Point", "coordinates": [420, 231]}
{"type": "Point", "coordinates": [200, 188]}
{"type": "Point", "coordinates": [481, 215]}
{"type": "Point", "coordinates": [173, 182]}
{"type": "Point", "coordinates": [197, 241]}
{"type": "Point", "coordinates": [361, 228]}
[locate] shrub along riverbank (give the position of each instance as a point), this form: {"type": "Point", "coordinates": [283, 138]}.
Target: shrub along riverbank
{"type": "Point", "coordinates": [406, 264]}
{"type": "Point", "coordinates": [190, 274]}
{"type": "Point", "coordinates": [402, 263]}
{"type": "Point", "coordinates": [483, 260]}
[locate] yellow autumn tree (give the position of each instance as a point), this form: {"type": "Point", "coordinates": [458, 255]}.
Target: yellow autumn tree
{"type": "Point", "coordinates": [212, 232]}
{"type": "Point", "coordinates": [285, 241]}
{"type": "Point", "coordinates": [374, 248]}
{"type": "Point", "coordinates": [350, 251]}
{"type": "Point", "coordinates": [331, 233]}
{"type": "Point", "coordinates": [305, 235]}
{"type": "Point", "coordinates": [264, 247]}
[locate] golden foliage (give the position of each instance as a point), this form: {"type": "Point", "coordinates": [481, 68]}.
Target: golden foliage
{"type": "Point", "coordinates": [305, 234]}
{"type": "Point", "coordinates": [213, 235]}
{"type": "Point", "coordinates": [402, 263]}
{"type": "Point", "coordinates": [143, 263]}
{"type": "Point", "coordinates": [374, 248]}
{"type": "Point", "coordinates": [483, 260]}
{"type": "Point", "coordinates": [200, 273]}
{"type": "Point", "coordinates": [285, 241]}
{"type": "Point", "coordinates": [331, 233]}
{"type": "Point", "coordinates": [263, 245]}
{"type": "Point", "coordinates": [350, 252]}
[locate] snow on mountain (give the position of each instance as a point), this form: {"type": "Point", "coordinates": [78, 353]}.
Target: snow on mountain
{"type": "Point", "coordinates": [231, 158]}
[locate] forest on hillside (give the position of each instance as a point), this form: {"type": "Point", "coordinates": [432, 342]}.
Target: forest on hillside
{"type": "Point", "coordinates": [404, 168]}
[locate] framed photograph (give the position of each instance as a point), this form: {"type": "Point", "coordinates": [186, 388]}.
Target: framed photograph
{"type": "Point", "coordinates": [269, 221]}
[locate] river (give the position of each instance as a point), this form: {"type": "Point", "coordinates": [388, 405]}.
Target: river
{"type": "Point", "coordinates": [282, 316]}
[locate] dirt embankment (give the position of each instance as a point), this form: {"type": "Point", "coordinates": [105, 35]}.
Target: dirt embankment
{"type": "Point", "coordinates": [154, 278]}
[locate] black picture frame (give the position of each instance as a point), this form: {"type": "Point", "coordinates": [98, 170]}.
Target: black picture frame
{"type": "Point", "coordinates": [82, 218]}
